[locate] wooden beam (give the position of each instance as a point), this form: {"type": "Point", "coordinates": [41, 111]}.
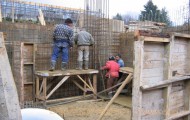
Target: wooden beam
{"type": "Point", "coordinates": [181, 35]}
{"type": "Point", "coordinates": [95, 84]}
{"type": "Point", "coordinates": [164, 83]}
{"type": "Point", "coordinates": [57, 86]}
{"type": "Point", "coordinates": [44, 86]}
{"type": "Point", "coordinates": [37, 86]}
{"type": "Point", "coordinates": [126, 81]}
{"type": "Point", "coordinates": [137, 80]}
{"type": "Point", "coordinates": [78, 85]}
{"type": "Point", "coordinates": [126, 70]}
{"type": "Point", "coordinates": [10, 109]}
{"type": "Point", "coordinates": [154, 39]}
{"type": "Point", "coordinates": [86, 84]}
{"type": "Point", "coordinates": [178, 115]}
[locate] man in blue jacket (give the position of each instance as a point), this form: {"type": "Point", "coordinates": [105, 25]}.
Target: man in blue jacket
{"type": "Point", "coordinates": [63, 40]}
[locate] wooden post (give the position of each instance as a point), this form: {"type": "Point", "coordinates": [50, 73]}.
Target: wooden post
{"type": "Point", "coordinates": [126, 81]}
{"type": "Point", "coordinates": [44, 87]}
{"type": "Point", "coordinates": [10, 109]}
{"type": "Point", "coordinates": [137, 93]}
{"type": "Point", "coordinates": [95, 85]}
{"type": "Point", "coordinates": [37, 87]}
{"type": "Point", "coordinates": [167, 75]}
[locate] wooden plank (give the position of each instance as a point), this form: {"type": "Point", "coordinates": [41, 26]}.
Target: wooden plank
{"type": "Point", "coordinates": [153, 64]}
{"type": "Point", "coordinates": [164, 83]}
{"type": "Point", "coordinates": [126, 70]}
{"type": "Point", "coordinates": [95, 85]}
{"type": "Point", "coordinates": [138, 69]}
{"type": "Point", "coordinates": [152, 80]}
{"type": "Point", "coordinates": [153, 56]}
{"type": "Point", "coordinates": [182, 35]}
{"type": "Point", "coordinates": [57, 86]}
{"type": "Point", "coordinates": [152, 101]}
{"type": "Point", "coordinates": [154, 39]}
{"type": "Point", "coordinates": [78, 85]}
{"type": "Point", "coordinates": [66, 72]}
{"type": "Point", "coordinates": [154, 72]}
{"type": "Point", "coordinates": [44, 86]}
{"type": "Point", "coordinates": [167, 75]}
{"type": "Point", "coordinates": [178, 115]}
{"type": "Point", "coordinates": [85, 83]}
{"type": "Point", "coordinates": [10, 109]}
{"type": "Point", "coordinates": [37, 86]}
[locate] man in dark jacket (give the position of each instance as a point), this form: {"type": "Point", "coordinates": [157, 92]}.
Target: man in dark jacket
{"type": "Point", "coordinates": [63, 40]}
{"type": "Point", "coordinates": [83, 40]}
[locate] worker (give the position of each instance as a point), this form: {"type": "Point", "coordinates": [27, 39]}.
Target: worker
{"type": "Point", "coordinates": [83, 40]}
{"type": "Point", "coordinates": [63, 40]}
{"type": "Point", "coordinates": [112, 74]}
{"type": "Point", "coordinates": [120, 62]}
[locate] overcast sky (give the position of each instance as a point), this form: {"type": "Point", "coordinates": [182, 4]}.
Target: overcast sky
{"type": "Point", "coordinates": [132, 7]}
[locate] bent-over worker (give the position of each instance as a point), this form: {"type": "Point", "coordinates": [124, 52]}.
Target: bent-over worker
{"type": "Point", "coordinates": [112, 74]}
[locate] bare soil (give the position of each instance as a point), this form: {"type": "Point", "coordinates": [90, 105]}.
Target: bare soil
{"type": "Point", "coordinates": [91, 111]}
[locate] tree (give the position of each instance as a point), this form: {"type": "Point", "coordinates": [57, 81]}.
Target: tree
{"type": "Point", "coordinates": [118, 17]}
{"type": "Point", "coordinates": [152, 13]}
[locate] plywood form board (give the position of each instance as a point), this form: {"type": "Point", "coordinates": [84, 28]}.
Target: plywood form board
{"type": "Point", "coordinates": [179, 96]}
{"type": "Point", "coordinates": [153, 61]}
{"type": "Point", "coordinates": [10, 109]}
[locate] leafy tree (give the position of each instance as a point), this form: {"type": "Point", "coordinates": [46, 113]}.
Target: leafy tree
{"type": "Point", "coordinates": [118, 17]}
{"type": "Point", "coordinates": [152, 13]}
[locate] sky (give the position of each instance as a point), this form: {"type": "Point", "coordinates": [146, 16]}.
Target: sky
{"type": "Point", "coordinates": [131, 7]}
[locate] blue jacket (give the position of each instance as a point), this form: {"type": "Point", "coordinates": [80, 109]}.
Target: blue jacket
{"type": "Point", "coordinates": [63, 33]}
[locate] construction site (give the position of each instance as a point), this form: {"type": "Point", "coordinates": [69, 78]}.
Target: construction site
{"type": "Point", "coordinates": [155, 79]}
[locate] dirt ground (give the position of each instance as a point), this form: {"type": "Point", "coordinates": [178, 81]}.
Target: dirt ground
{"type": "Point", "coordinates": [85, 110]}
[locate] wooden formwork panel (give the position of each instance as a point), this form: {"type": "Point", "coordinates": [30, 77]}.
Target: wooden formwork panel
{"type": "Point", "coordinates": [23, 69]}
{"type": "Point", "coordinates": [161, 85]}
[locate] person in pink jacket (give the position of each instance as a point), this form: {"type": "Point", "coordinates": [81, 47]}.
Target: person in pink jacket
{"type": "Point", "coordinates": [112, 74]}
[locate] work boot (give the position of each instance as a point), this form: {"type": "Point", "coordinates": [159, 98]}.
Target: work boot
{"type": "Point", "coordinates": [63, 65]}
{"type": "Point", "coordinates": [52, 65]}
{"type": "Point", "coordinates": [86, 65]}
{"type": "Point", "coordinates": [80, 63]}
